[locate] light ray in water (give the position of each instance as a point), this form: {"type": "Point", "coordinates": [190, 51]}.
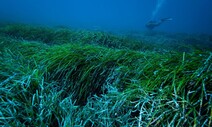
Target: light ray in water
{"type": "Point", "coordinates": [155, 12]}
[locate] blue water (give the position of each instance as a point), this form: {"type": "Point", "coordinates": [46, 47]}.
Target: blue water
{"type": "Point", "coordinates": [191, 16]}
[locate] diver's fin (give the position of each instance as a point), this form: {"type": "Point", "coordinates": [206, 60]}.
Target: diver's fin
{"type": "Point", "coordinates": [166, 19]}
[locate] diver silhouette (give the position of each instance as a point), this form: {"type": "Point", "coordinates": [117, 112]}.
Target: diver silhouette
{"type": "Point", "coordinates": [152, 24]}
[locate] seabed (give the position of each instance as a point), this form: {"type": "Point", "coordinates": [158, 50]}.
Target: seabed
{"type": "Point", "coordinates": [83, 78]}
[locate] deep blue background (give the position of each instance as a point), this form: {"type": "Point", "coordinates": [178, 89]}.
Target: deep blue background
{"type": "Point", "coordinates": [188, 15]}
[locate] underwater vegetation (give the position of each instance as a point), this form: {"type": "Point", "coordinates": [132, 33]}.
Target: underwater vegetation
{"type": "Point", "coordinates": [66, 77]}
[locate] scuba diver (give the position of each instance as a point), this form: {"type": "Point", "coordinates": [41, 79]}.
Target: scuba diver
{"type": "Point", "coordinates": [152, 24]}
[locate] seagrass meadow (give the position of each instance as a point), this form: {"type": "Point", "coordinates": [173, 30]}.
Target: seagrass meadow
{"type": "Point", "coordinates": [82, 78]}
